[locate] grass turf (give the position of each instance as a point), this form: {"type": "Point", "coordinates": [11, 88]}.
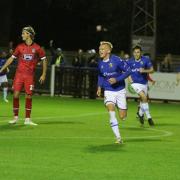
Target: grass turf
{"type": "Point", "coordinates": [74, 141]}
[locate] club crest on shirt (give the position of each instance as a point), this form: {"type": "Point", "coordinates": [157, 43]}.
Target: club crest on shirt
{"type": "Point", "coordinates": [33, 50]}
{"type": "Point", "coordinates": [141, 63]}
{"type": "Point", "coordinates": [110, 65]}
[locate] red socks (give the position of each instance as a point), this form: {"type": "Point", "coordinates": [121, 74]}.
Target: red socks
{"type": "Point", "coordinates": [16, 106]}
{"type": "Point", "coordinates": [28, 107]}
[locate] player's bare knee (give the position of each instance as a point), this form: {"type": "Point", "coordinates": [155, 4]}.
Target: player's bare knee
{"type": "Point", "coordinates": [122, 116]}
{"type": "Point", "coordinates": [110, 107]}
{"type": "Point", "coordinates": [144, 99]}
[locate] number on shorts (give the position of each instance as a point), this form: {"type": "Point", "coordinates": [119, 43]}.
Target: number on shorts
{"type": "Point", "coordinates": [31, 87]}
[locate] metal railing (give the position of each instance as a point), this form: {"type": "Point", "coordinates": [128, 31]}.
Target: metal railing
{"type": "Point", "coordinates": [77, 82]}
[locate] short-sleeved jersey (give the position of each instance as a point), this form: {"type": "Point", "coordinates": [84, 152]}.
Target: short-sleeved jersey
{"type": "Point", "coordinates": [135, 65]}
{"type": "Point", "coordinates": [28, 57]}
{"type": "Point", "coordinates": [113, 68]}
{"type": "Point", "coordinates": [2, 62]}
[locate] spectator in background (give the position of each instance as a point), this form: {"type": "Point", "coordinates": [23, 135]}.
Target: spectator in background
{"type": "Point", "coordinates": [57, 55]}
{"type": "Point", "coordinates": [166, 64]}
{"type": "Point", "coordinates": [3, 75]}
{"type": "Point", "coordinates": [78, 62]}
{"type": "Point", "coordinates": [59, 62]}
{"type": "Point", "coordinates": [92, 60]}
{"type": "Point", "coordinates": [92, 73]}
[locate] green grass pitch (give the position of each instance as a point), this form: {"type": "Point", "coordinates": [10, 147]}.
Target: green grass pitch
{"type": "Point", "coordinates": [74, 141]}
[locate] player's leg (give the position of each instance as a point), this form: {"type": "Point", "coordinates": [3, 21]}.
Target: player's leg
{"type": "Point", "coordinates": [109, 100]}
{"type": "Point", "coordinates": [122, 104]}
{"type": "Point", "coordinates": [4, 84]}
{"type": "Point", "coordinates": [145, 106]}
{"type": "Point", "coordinates": [123, 114]}
{"type": "Point", "coordinates": [141, 111]}
{"type": "Point", "coordinates": [15, 107]}
{"type": "Point", "coordinates": [29, 87]}
{"type": "Point", "coordinates": [17, 86]}
{"type": "Point", "coordinates": [5, 91]}
{"type": "Point", "coordinates": [138, 88]}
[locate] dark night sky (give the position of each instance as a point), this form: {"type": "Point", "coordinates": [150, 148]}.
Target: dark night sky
{"type": "Point", "coordinates": [72, 23]}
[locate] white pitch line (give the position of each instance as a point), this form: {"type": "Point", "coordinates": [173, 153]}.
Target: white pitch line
{"type": "Point", "coordinates": [59, 117]}
{"type": "Point", "coordinates": [72, 116]}
{"type": "Point", "coordinates": [165, 133]}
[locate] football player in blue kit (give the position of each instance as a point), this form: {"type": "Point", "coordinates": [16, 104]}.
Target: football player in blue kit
{"type": "Point", "coordinates": [3, 75]}
{"type": "Point", "coordinates": [112, 73]}
{"type": "Point", "coordinates": [141, 66]}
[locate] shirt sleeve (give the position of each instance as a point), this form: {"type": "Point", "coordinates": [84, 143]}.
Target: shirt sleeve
{"type": "Point", "coordinates": [16, 53]}
{"type": "Point", "coordinates": [41, 54]}
{"type": "Point", "coordinates": [125, 68]}
{"type": "Point", "coordinates": [148, 64]}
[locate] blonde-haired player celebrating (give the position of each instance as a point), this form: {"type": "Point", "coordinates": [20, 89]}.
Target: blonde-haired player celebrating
{"type": "Point", "coordinates": [112, 72]}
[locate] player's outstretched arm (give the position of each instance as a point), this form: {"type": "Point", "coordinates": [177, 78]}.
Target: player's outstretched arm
{"type": "Point", "coordinates": [142, 70]}
{"type": "Point", "coordinates": [8, 62]}
{"type": "Point", "coordinates": [126, 71]}
{"type": "Point", "coordinates": [43, 76]}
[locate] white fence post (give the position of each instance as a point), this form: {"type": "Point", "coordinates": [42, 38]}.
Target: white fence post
{"type": "Point", "coordinates": [52, 83]}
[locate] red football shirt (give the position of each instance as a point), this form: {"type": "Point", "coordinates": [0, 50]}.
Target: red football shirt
{"type": "Point", "coordinates": [28, 57]}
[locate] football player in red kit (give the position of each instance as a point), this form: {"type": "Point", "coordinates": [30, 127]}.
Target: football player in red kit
{"type": "Point", "coordinates": [28, 55]}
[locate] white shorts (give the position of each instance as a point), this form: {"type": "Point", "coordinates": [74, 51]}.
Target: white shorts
{"type": "Point", "coordinates": [117, 98]}
{"type": "Point", "coordinates": [3, 79]}
{"type": "Point", "coordinates": [140, 87]}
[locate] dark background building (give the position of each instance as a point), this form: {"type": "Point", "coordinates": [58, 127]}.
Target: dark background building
{"type": "Point", "coordinates": [72, 24]}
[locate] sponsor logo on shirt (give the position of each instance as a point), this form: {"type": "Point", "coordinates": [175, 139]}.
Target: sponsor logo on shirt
{"type": "Point", "coordinates": [28, 57]}
{"type": "Point", "coordinates": [109, 74]}
{"type": "Point", "coordinates": [135, 70]}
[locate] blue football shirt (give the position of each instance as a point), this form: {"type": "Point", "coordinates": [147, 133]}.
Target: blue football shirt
{"type": "Point", "coordinates": [113, 68]}
{"type": "Point", "coordinates": [135, 66]}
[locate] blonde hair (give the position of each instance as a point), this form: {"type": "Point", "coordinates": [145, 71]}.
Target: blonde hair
{"type": "Point", "coordinates": [30, 30]}
{"type": "Point", "coordinates": [107, 43]}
